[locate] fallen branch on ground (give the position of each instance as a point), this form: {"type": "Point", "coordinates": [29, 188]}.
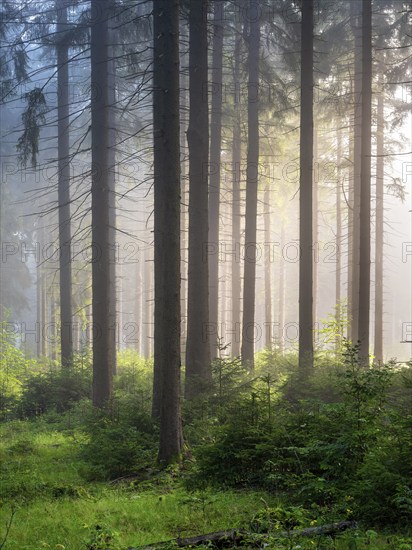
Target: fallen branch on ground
{"type": "Point", "coordinates": [221, 539]}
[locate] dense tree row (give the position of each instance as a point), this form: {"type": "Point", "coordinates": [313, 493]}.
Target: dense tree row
{"type": "Point", "coordinates": [214, 115]}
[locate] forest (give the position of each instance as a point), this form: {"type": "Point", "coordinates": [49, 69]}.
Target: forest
{"type": "Point", "coordinates": [206, 274]}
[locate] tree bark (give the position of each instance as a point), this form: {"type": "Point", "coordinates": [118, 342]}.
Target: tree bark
{"type": "Point", "coordinates": [102, 368]}
{"type": "Point", "coordinates": [316, 184]}
{"type": "Point", "coordinates": [268, 270]}
{"type": "Point", "coordinates": [252, 177]}
{"type": "Point", "coordinates": [220, 539]}
{"type": "Point", "coordinates": [282, 291]}
{"type": "Point", "coordinates": [338, 242]}
{"type": "Point", "coordinates": [306, 192]}
{"type": "Point", "coordinates": [138, 306]}
{"type": "Point", "coordinates": [115, 326]}
{"type": "Point", "coordinates": [214, 183]}
{"type": "Point", "coordinates": [357, 122]}
{"type": "Point", "coordinates": [63, 189]}
{"type": "Point", "coordinates": [198, 370]}
{"type": "Point", "coordinates": [147, 309]}
{"type": "Point", "coordinates": [379, 223]}
{"type": "Point", "coordinates": [365, 180]}
{"type": "Point", "coordinates": [236, 175]}
{"type": "Point", "coordinates": [167, 224]}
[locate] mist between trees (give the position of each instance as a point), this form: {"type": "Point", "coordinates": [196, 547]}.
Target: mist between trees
{"type": "Point", "coordinates": [204, 180]}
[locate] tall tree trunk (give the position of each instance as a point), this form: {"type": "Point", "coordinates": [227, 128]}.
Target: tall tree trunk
{"type": "Point", "coordinates": [184, 107]}
{"type": "Point", "coordinates": [306, 191]}
{"type": "Point", "coordinates": [198, 371]}
{"type": "Point", "coordinates": [350, 205]}
{"type": "Point", "coordinates": [379, 223]}
{"type": "Point", "coordinates": [63, 190]}
{"type": "Point", "coordinates": [236, 175]}
{"type": "Point", "coordinates": [167, 223]}
{"type": "Point", "coordinates": [365, 177]}
{"type": "Point", "coordinates": [138, 307]}
{"type": "Point", "coordinates": [282, 291]}
{"type": "Point", "coordinates": [147, 309]}
{"type": "Point", "coordinates": [252, 177]}
{"type": "Point", "coordinates": [316, 185]}
{"type": "Point", "coordinates": [338, 241]}
{"type": "Point", "coordinates": [115, 327]}
{"type": "Point", "coordinates": [214, 183]}
{"type": "Point", "coordinates": [102, 368]}
{"type": "Point", "coordinates": [45, 317]}
{"type": "Point", "coordinates": [357, 121]}
{"type": "Point", "coordinates": [268, 271]}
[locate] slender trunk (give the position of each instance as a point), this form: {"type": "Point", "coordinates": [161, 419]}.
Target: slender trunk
{"type": "Point", "coordinates": [44, 314]}
{"type": "Point", "coordinates": [39, 309]}
{"type": "Point", "coordinates": [365, 206]}
{"type": "Point", "coordinates": [102, 368]}
{"type": "Point", "coordinates": [252, 177]}
{"type": "Point", "coordinates": [306, 191]}
{"type": "Point", "coordinates": [236, 175]}
{"type": "Point", "coordinates": [316, 184]}
{"type": "Point", "coordinates": [115, 327]}
{"type": "Point", "coordinates": [138, 307]}
{"type": "Point", "coordinates": [268, 271]}
{"type": "Point", "coordinates": [63, 190]}
{"type": "Point", "coordinates": [53, 325]}
{"type": "Point", "coordinates": [183, 177]}
{"type": "Point", "coordinates": [198, 371]}
{"type": "Point", "coordinates": [167, 223]}
{"type": "Point", "coordinates": [350, 242]}
{"type": "Point", "coordinates": [159, 205]}
{"type": "Point", "coordinates": [379, 222]}
{"type": "Point", "coordinates": [338, 241]}
{"type": "Point", "coordinates": [147, 309]}
{"type": "Point", "coordinates": [214, 183]}
{"type": "Point", "coordinates": [281, 292]}
{"type": "Point", "coordinates": [356, 235]}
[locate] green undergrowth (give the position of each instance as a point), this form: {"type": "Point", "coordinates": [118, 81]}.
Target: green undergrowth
{"type": "Point", "coordinates": [42, 483]}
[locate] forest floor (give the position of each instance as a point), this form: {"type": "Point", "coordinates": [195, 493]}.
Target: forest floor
{"type": "Point", "coordinates": [42, 486]}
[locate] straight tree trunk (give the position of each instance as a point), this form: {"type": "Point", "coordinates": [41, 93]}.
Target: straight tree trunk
{"type": "Point", "coordinates": [44, 314]}
{"type": "Point", "coordinates": [184, 107]}
{"type": "Point", "coordinates": [214, 183]}
{"type": "Point", "coordinates": [365, 206]}
{"type": "Point", "coordinates": [63, 190]}
{"type": "Point", "coordinates": [102, 368]}
{"type": "Point", "coordinates": [236, 175]}
{"type": "Point", "coordinates": [115, 327]}
{"type": "Point", "coordinates": [306, 192]}
{"type": "Point", "coordinates": [167, 223]}
{"type": "Point", "coordinates": [349, 293]}
{"type": "Point", "coordinates": [282, 291]}
{"type": "Point", "coordinates": [198, 368]}
{"type": "Point", "coordinates": [138, 307]}
{"type": "Point", "coordinates": [316, 184]}
{"type": "Point", "coordinates": [252, 177]}
{"type": "Point", "coordinates": [356, 235]}
{"type": "Point", "coordinates": [379, 223]}
{"type": "Point", "coordinates": [268, 271]}
{"type": "Point", "coordinates": [159, 205]}
{"type": "Point", "coordinates": [147, 309]}
{"type": "Point", "coordinates": [338, 241]}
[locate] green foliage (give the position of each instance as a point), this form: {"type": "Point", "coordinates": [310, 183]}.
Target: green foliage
{"type": "Point", "coordinates": [33, 117]}
{"type": "Point", "coordinates": [339, 441]}
{"type": "Point", "coordinates": [117, 448]}
{"type": "Point", "coordinates": [53, 390]}
{"type": "Point", "coordinates": [102, 538]}
{"type": "Point", "coordinates": [13, 368]}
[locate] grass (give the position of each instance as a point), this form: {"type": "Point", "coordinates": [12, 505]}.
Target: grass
{"type": "Point", "coordinates": [41, 478]}
{"type": "Point", "coordinates": [56, 508]}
